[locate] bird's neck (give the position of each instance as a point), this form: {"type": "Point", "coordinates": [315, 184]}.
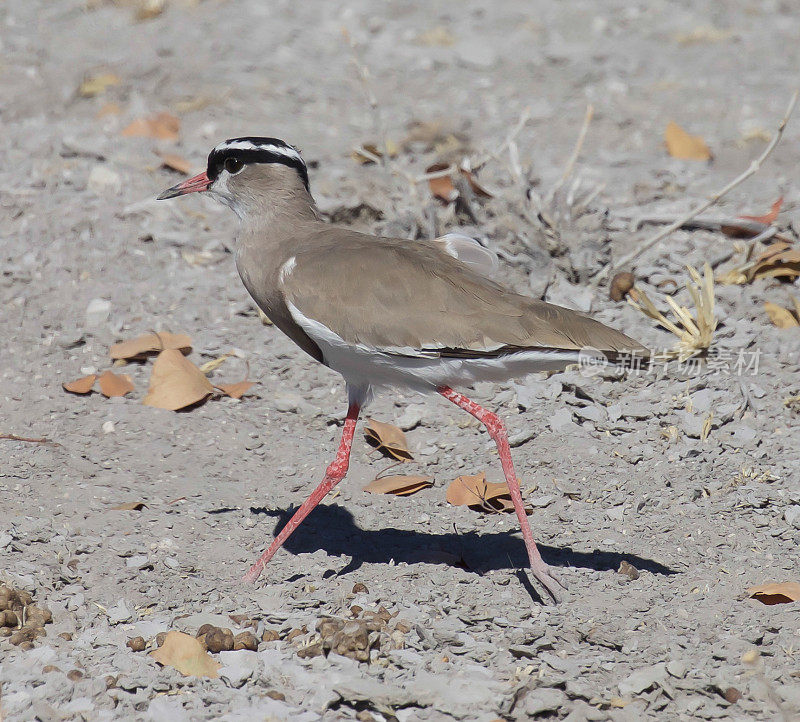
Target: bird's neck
{"type": "Point", "coordinates": [269, 233]}
{"type": "Point", "coordinates": [277, 208]}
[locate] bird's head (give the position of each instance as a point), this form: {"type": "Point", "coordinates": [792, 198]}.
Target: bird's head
{"type": "Point", "coordinates": [250, 175]}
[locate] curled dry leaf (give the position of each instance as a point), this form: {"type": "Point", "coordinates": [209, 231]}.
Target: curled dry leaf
{"type": "Point", "coordinates": [387, 438]}
{"type": "Point", "coordinates": [150, 343]}
{"type": "Point", "coordinates": [783, 317]}
{"type": "Point", "coordinates": [112, 384]}
{"type": "Point", "coordinates": [621, 284]}
{"type": "Point", "coordinates": [479, 494]}
{"type": "Point", "coordinates": [163, 126]}
{"type": "Point", "coordinates": [399, 485]}
{"type": "Point", "coordinates": [681, 144]}
{"type": "Point", "coordinates": [176, 382]}
{"type": "Point", "coordinates": [770, 217]}
{"type": "Point", "coordinates": [778, 260]}
{"type": "Point", "coordinates": [175, 162]}
{"type": "Point", "coordinates": [779, 593]}
{"type": "Point", "coordinates": [187, 655]}
{"type": "Point", "coordinates": [130, 506]}
{"type": "Point", "coordinates": [82, 385]}
{"type": "Point", "coordinates": [441, 186]}
{"type": "Point", "coordinates": [235, 391]}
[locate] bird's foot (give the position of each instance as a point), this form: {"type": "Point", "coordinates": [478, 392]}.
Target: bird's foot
{"type": "Point", "coordinates": [548, 578]}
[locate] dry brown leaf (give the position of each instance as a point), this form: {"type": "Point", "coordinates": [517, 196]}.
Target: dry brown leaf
{"type": "Point", "coordinates": [479, 494]}
{"type": "Point", "coordinates": [388, 438]}
{"type": "Point", "coordinates": [141, 346]}
{"type": "Point", "coordinates": [176, 382]}
{"type": "Point", "coordinates": [237, 390]}
{"type": "Point", "coordinates": [399, 485]}
{"type": "Point", "coordinates": [770, 217]}
{"type": "Point", "coordinates": [187, 655]}
{"type": "Point", "coordinates": [467, 490]}
{"type": "Point", "coordinates": [777, 593]}
{"type": "Point", "coordinates": [682, 145]}
{"type": "Point", "coordinates": [442, 186]}
{"type": "Point", "coordinates": [780, 260]}
{"type": "Point", "coordinates": [130, 506]}
{"type": "Point", "coordinates": [82, 385]}
{"type": "Point", "coordinates": [175, 162]}
{"type": "Point", "coordinates": [163, 126]}
{"type": "Point", "coordinates": [112, 384]}
{"type": "Point", "coordinates": [97, 84]}
{"type": "Point", "coordinates": [780, 316]}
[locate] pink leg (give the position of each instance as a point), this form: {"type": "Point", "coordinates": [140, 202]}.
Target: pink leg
{"type": "Point", "coordinates": [497, 430]}
{"type": "Point", "coordinates": [333, 475]}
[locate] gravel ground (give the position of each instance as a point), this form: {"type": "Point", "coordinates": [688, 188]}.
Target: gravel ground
{"type": "Point", "coordinates": [615, 467]}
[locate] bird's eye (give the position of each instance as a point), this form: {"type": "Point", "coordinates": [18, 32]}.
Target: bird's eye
{"type": "Point", "coordinates": [233, 165]}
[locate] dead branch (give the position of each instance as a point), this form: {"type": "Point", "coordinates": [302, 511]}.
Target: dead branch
{"type": "Point", "coordinates": [29, 440]}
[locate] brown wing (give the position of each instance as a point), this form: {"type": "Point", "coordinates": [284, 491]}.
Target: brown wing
{"type": "Point", "coordinates": [392, 294]}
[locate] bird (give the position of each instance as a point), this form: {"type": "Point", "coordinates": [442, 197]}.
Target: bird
{"type": "Point", "coordinates": [423, 315]}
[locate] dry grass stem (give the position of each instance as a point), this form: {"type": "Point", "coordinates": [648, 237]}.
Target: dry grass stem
{"type": "Point", "coordinates": [694, 333]}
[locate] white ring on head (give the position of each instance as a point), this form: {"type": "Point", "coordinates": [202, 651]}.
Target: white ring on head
{"type": "Point", "coordinates": [249, 145]}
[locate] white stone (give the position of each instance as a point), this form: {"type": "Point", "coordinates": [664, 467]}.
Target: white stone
{"type": "Point", "coordinates": [119, 613]}
{"type": "Point", "coordinates": [166, 709]}
{"type": "Point", "coordinates": [791, 515]}
{"type": "Point", "coordinates": [104, 181]}
{"type": "Point", "coordinates": [643, 679]}
{"type": "Point", "coordinates": [97, 312]}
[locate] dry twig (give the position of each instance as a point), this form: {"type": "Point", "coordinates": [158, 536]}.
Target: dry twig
{"type": "Point", "coordinates": [27, 439]}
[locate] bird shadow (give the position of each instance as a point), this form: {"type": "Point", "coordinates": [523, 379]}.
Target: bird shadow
{"type": "Point", "coordinates": [332, 528]}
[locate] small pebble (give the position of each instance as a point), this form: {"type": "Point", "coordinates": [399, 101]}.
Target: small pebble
{"type": "Point", "coordinates": [270, 635]}
{"type": "Point", "coordinates": [136, 644]}
{"type": "Point", "coordinates": [245, 640]}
